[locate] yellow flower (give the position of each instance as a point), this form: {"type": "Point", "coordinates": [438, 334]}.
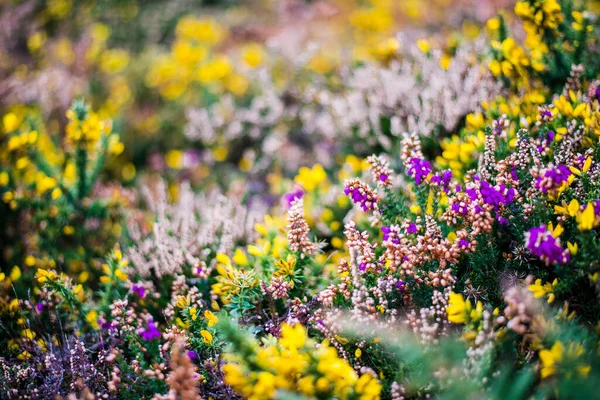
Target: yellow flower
{"type": "Point", "coordinates": [223, 259]}
{"type": "Point", "coordinates": [211, 318]}
{"type": "Point", "coordinates": [310, 178]}
{"type": "Point", "coordinates": [285, 268]}
{"type": "Point", "coordinates": [255, 251]}
{"type": "Point", "coordinates": [458, 309]}
{"type": "Point", "coordinates": [540, 290]}
{"type": "Point", "coordinates": [493, 24]}
{"type": "Point", "coordinates": [240, 257]}
{"type": "Point", "coordinates": [550, 358]}
{"type": "Point", "coordinates": [423, 45]}
{"type": "Point", "coordinates": [43, 276]}
{"type": "Point", "coordinates": [293, 337]}
{"type": "Point", "coordinates": [587, 219]}
{"type": "Point", "coordinates": [15, 273]}
{"type": "Point", "coordinates": [206, 336]}
{"type": "Point", "coordinates": [11, 122]}
{"type": "Point", "coordinates": [253, 55]}
{"type": "Point", "coordinates": [182, 302]}
{"type": "Point", "coordinates": [92, 319]}
{"type": "Point", "coordinates": [28, 334]}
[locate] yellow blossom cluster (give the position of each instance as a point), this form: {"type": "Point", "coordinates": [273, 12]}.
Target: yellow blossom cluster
{"type": "Point", "coordinates": [539, 16]}
{"type": "Point", "coordinates": [85, 128]}
{"type": "Point", "coordinates": [195, 59]}
{"type": "Point", "coordinates": [294, 363]}
{"type": "Point", "coordinates": [565, 361]}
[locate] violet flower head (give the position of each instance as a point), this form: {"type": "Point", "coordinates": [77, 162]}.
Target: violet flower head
{"type": "Point", "coordinates": [362, 194]}
{"type": "Point", "coordinates": [545, 114]}
{"type": "Point", "coordinates": [443, 180]}
{"type": "Point", "coordinates": [412, 228]}
{"type": "Point", "coordinates": [464, 243]}
{"type": "Point", "coordinates": [139, 290]}
{"type": "Point", "coordinates": [540, 242]}
{"type": "Point", "coordinates": [495, 196]}
{"type": "Point", "coordinates": [390, 234]}
{"type": "Point", "coordinates": [551, 179]}
{"type": "Point", "coordinates": [386, 232]}
{"type": "Point", "coordinates": [289, 197]}
{"type": "Point", "coordinates": [419, 169]}
{"type": "Point", "coordinates": [513, 174]}
{"type": "Point", "coordinates": [150, 332]}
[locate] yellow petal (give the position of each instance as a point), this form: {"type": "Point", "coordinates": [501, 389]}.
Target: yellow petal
{"type": "Point", "coordinates": [573, 207]}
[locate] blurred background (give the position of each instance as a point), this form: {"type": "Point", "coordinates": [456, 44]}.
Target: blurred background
{"type": "Point", "coordinates": [192, 84]}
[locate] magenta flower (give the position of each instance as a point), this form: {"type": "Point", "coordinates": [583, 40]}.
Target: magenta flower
{"type": "Point", "coordinates": [139, 290]}
{"type": "Point", "coordinates": [443, 180]}
{"type": "Point", "coordinates": [289, 197]}
{"type": "Point", "coordinates": [540, 242]}
{"type": "Point", "coordinates": [150, 332]}
{"type": "Point", "coordinates": [551, 179]}
{"type": "Point", "coordinates": [419, 169]}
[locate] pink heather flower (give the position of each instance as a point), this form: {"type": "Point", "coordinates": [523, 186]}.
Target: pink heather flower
{"type": "Point", "coordinates": [298, 229]}
{"type": "Point", "coordinates": [540, 242]}
{"type": "Point", "coordinates": [380, 169]}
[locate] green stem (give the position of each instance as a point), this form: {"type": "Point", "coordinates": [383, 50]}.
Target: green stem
{"type": "Point", "coordinates": [81, 171]}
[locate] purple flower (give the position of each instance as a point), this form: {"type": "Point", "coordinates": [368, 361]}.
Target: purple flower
{"type": "Point", "coordinates": [150, 332]}
{"type": "Point", "coordinates": [419, 169]}
{"type": "Point", "coordinates": [386, 232]}
{"type": "Point", "coordinates": [192, 354]}
{"type": "Point", "coordinates": [289, 197]}
{"type": "Point", "coordinates": [412, 228]}
{"type": "Point", "coordinates": [463, 243]}
{"type": "Point", "coordinates": [460, 208]}
{"type": "Point", "coordinates": [498, 126]}
{"type": "Point", "coordinates": [443, 180]}
{"type": "Point", "coordinates": [400, 285]}
{"type": "Point", "coordinates": [551, 179]}
{"type": "Point", "coordinates": [106, 325]}
{"type": "Point", "coordinates": [496, 196]}
{"type": "Point", "coordinates": [472, 193]}
{"type": "Point", "coordinates": [139, 290]}
{"type": "Point", "coordinates": [361, 194]}
{"type": "Point", "coordinates": [540, 242]}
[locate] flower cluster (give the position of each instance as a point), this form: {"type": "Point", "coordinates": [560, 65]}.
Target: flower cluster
{"type": "Point", "coordinates": [292, 363]}
{"type": "Point", "coordinates": [542, 243]}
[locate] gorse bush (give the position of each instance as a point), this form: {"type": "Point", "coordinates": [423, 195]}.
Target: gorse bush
{"type": "Point", "coordinates": [196, 208]}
